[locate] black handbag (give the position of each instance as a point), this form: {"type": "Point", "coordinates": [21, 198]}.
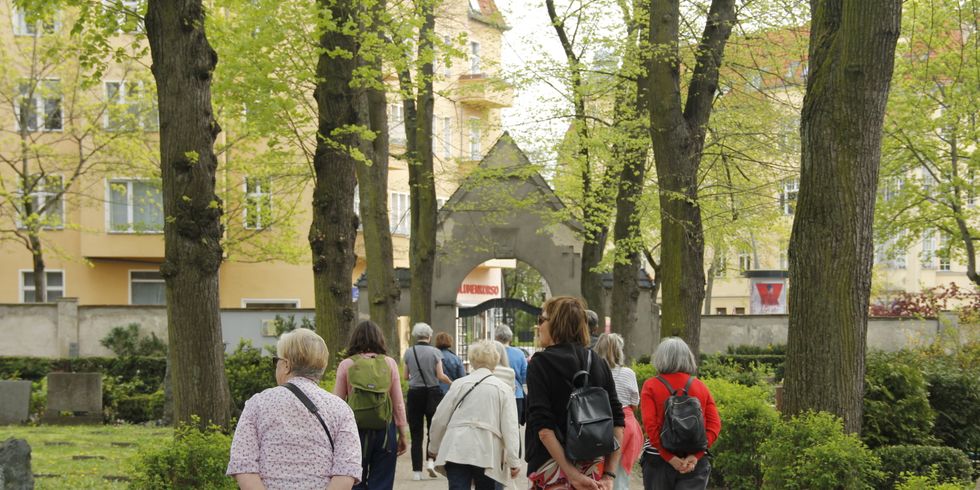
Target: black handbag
{"type": "Point", "coordinates": [589, 426]}
{"type": "Point", "coordinates": [434, 394]}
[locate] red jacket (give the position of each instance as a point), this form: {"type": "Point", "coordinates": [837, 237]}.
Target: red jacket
{"type": "Point", "coordinates": [653, 397]}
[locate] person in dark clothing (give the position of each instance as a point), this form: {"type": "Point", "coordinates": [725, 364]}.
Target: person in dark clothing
{"type": "Point", "coordinates": [452, 365]}
{"type": "Point", "coordinates": [592, 319]}
{"type": "Point", "coordinates": [564, 337]}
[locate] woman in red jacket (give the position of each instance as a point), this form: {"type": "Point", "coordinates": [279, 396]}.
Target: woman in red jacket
{"type": "Point", "coordinates": [663, 470]}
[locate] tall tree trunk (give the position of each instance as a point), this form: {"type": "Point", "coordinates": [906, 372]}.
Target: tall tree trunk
{"type": "Point", "coordinates": [421, 176]}
{"type": "Point", "coordinates": [678, 138]}
{"type": "Point", "coordinates": [40, 276]}
{"type": "Point", "coordinates": [709, 288]}
{"type": "Point", "coordinates": [852, 53]}
{"type": "Point", "coordinates": [334, 227]}
{"type": "Point", "coordinates": [183, 63]}
{"type": "Point", "coordinates": [372, 177]}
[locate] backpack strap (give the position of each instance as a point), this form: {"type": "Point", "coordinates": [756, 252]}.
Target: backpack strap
{"type": "Point", "coordinates": [586, 372]}
{"type": "Point", "coordinates": [687, 387]}
{"type": "Point", "coordinates": [311, 407]}
{"type": "Point", "coordinates": [671, 389]}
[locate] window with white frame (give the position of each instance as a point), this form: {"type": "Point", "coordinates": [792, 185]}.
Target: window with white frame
{"type": "Point", "coordinates": [888, 255]}
{"type": "Point", "coordinates": [258, 203]}
{"type": "Point", "coordinates": [944, 252]}
{"type": "Point", "coordinates": [28, 24]}
{"type": "Point", "coordinates": [928, 181]}
{"type": "Point", "coordinates": [55, 285]}
{"type": "Point", "coordinates": [447, 66]}
{"type": "Point", "coordinates": [476, 133]}
{"type": "Point", "coordinates": [126, 14]}
{"type": "Point", "coordinates": [38, 106]}
{"type": "Point", "coordinates": [46, 201]}
{"type": "Point", "coordinates": [147, 288]}
{"type": "Point", "coordinates": [475, 62]}
{"type": "Point", "coordinates": [134, 206]}
{"type": "Point", "coordinates": [447, 137]}
{"type": "Point", "coordinates": [892, 188]}
{"type": "Point", "coordinates": [721, 265]}
{"type": "Point", "coordinates": [396, 124]}
{"type": "Point", "coordinates": [400, 215]}
{"type": "Point", "coordinates": [788, 196]}
{"type": "Point", "coordinates": [265, 304]}
{"type": "Point", "coordinates": [928, 255]}
{"type": "Point", "coordinates": [744, 261]}
{"type": "Point", "coordinates": [130, 107]}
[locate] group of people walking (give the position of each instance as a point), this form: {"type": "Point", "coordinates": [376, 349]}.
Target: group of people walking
{"type": "Point", "coordinates": [298, 435]}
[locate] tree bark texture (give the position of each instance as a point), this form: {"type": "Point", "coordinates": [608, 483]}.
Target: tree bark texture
{"type": "Point", "coordinates": [372, 177]}
{"type": "Point", "coordinates": [37, 261]}
{"type": "Point", "coordinates": [421, 177]}
{"type": "Point", "coordinates": [678, 138]}
{"type": "Point", "coordinates": [183, 62]}
{"type": "Point", "coordinates": [852, 52]}
{"type": "Point", "coordinates": [334, 227]}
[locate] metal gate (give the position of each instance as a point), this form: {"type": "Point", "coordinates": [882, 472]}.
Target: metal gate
{"type": "Point", "coordinates": [479, 322]}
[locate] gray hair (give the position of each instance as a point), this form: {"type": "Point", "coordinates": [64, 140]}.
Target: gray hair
{"type": "Point", "coordinates": [674, 356]}
{"type": "Point", "coordinates": [421, 331]}
{"type": "Point", "coordinates": [592, 318]}
{"type": "Point", "coordinates": [483, 354]}
{"type": "Point", "coordinates": [610, 349]}
{"type": "Point", "coordinates": [502, 350]}
{"type": "Point", "coordinates": [503, 334]}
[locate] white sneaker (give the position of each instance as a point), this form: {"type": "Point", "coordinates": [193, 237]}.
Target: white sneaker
{"type": "Point", "coordinates": [416, 475]}
{"type": "Point", "coordinates": [430, 466]}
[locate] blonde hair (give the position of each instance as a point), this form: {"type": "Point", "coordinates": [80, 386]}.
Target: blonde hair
{"type": "Point", "coordinates": [483, 354]}
{"type": "Point", "coordinates": [610, 349]}
{"type": "Point", "coordinates": [306, 352]}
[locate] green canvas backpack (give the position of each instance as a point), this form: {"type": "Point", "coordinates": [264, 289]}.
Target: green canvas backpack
{"type": "Point", "coordinates": [370, 381]}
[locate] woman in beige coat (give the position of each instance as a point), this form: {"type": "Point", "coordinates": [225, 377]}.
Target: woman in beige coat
{"type": "Point", "coordinates": [475, 427]}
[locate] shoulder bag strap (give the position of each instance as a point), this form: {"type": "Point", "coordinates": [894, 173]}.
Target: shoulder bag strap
{"type": "Point", "coordinates": [460, 402]}
{"type": "Point", "coordinates": [687, 387]}
{"type": "Point", "coordinates": [417, 363]}
{"type": "Point", "coordinates": [669, 388]}
{"type": "Point", "coordinates": [311, 407]}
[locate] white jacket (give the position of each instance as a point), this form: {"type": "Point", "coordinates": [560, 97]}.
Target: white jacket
{"type": "Point", "coordinates": [483, 431]}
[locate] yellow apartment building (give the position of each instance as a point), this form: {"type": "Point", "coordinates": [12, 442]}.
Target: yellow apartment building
{"type": "Point", "coordinates": [104, 243]}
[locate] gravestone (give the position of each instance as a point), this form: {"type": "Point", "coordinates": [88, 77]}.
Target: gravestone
{"type": "Point", "coordinates": [15, 465]}
{"type": "Point", "coordinates": [74, 398]}
{"type": "Point", "coordinates": [15, 401]}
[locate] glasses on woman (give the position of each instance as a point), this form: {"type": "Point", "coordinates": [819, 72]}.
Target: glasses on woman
{"type": "Point", "coordinates": [275, 361]}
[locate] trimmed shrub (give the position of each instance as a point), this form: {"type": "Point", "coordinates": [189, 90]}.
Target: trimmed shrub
{"type": "Point", "coordinates": [812, 452]}
{"type": "Point", "coordinates": [129, 341]}
{"type": "Point", "coordinates": [771, 349]}
{"type": "Point", "coordinates": [140, 408]}
{"type": "Point", "coordinates": [150, 369]}
{"type": "Point", "coordinates": [750, 374]}
{"type": "Point", "coordinates": [747, 421]}
{"type": "Point", "coordinates": [248, 372]}
{"type": "Point", "coordinates": [943, 464]}
{"type": "Point", "coordinates": [954, 395]}
{"type": "Point", "coordinates": [896, 403]}
{"type": "Point", "coordinates": [192, 459]}
{"type": "Point", "coordinates": [746, 362]}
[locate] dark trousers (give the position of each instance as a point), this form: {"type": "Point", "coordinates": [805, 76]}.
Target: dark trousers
{"type": "Point", "coordinates": [465, 476]}
{"type": "Point", "coordinates": [418, 411]}
{"type": "Point", "coordinates": [660, 475]}
{"type": "Point", "coordinates": [379, 453]}
{"type": "Point", "coordinates": [521, 417]}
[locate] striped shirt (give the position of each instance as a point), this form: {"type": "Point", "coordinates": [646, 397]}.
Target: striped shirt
{"type": "Point", "coordinates": [626, 388]}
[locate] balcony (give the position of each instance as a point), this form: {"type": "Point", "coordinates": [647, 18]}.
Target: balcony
{"type": "Point", "coordinates": [479, 90]}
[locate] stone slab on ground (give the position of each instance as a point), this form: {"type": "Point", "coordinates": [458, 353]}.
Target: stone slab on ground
{"type": "Point", "coordinates": [15, 465]}
{"type": "Point", "coordinates": [77, 393]}
{"type": "Point", "coordinates": [15, 401]}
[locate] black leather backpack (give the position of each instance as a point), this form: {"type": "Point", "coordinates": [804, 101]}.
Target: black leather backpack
{"type": "Point", "coordinates": [589, 427]}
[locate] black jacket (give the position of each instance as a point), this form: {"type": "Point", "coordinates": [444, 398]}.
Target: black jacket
{"type": "Point", "coordinates": [549, 386]}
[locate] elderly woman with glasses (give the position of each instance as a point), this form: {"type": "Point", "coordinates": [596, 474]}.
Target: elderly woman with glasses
{"type": "Point", "coordinates": [296, 435]}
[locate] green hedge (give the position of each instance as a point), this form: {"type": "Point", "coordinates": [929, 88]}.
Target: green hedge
{"type": "Point", "coordinates": [747, 421]}
{"type": "Point", "coordinates": [150, 369]}
{"type": "Point", "coordinates": [896, 402]}
{"type": "Point", "coordinates": [945, 464]}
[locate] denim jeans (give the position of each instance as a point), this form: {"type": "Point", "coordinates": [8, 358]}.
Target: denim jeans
{"type": "Point", "coordinates": [378, 458]}
{"type": "Point", "coordinates": [463, 476]}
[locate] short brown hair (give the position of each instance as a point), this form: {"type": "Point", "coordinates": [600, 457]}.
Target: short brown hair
{"type": "Point", "coordinates": [367, 338]}
{"type": "Point", "coordinates": [444, 340]}
{"type": "Point", "coordinates": [566, 320]}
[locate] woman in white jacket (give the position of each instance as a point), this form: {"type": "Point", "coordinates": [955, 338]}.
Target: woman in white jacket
{"type": "Point", "coordinates": [475, 427]}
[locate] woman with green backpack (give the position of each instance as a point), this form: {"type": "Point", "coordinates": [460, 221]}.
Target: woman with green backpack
{"type": "Point", "coordinates": [368, 380]}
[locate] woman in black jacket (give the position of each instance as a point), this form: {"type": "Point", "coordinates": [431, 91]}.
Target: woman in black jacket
{"type": "Point", "coordinates": [563, 334]}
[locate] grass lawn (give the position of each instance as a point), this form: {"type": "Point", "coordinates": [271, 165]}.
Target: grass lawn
{"type": "Point", "coordinates": [84, 456]}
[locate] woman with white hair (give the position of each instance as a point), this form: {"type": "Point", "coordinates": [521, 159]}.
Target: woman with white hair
{"type": "Point", "coordinates": [475, 428]}
{"type": "Point", "coordinates": [609, 347]}
{"type": "Point", "coordinates": [662, 469]}
{"type": "Point", "coordinates": [503, 370]}
{"type": "Point", "coordinates": [423, 370]}
{"type": "Point", "coordinates": [296, 435]}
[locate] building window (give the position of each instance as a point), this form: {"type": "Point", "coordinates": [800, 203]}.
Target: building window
{"type": "Point", "coordinates": [475, 64]}
{"type": "Point", "coordinates": [258, 203]}
{"type": "Point", "coordinates": [130, 107]}
{"type": "Point", "coordinates": [888, 255]}
{"type": "Point", "coordinates": [266, 304]}
{"type": "Point", "coordinates": [28, 24]}
{"type": "Point", "coordinates": [944, 262]}
{"type": "Point", "coordinates": [147, 288]}
{"type": "Point", "coordinates": [721, 311]}
{"type": "Point", "coordinates": [787, 198]}
{"type": "Point", "coordinates": [892, 188]}
{"type": "Point", "coordinates": [744, 261]}
{"type": "Point", "coordinates": [38, 106]}
{"type": "Point", "coordinates": [135, 206]}
{"type": "Point", "coordinates": [55, 285]}
{"type": "Point", "coordinates": [739, 310]}
{"type": "Point", "coordinates": [476, 152]}
{"type": "Point", "coordinates": [928, 249]}
{"type": "Point", "coordinates": [396, 124]}
{"type": "Point", "coordinates": [447, 137]}
{"type": "Point", "coordinates": [928, 181]}
{"type": "Point", "coordinates": [721, 265]}
{"type": "Point", "coordinates": [447, 67]}
{"type": "Point", "coordinates": [47, 203]}
{"type": "Point", "coordinates": [126, 14]}
{"type": "Point", "coordinates": [400, 215]}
